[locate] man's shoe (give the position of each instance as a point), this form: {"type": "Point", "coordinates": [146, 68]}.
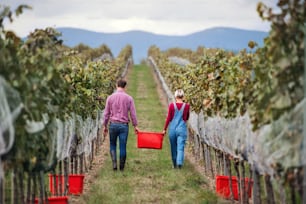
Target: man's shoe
{"type": "Point", "coordinates": [122, 163]}
{"type": "Point", "coordinates": [114, 160]}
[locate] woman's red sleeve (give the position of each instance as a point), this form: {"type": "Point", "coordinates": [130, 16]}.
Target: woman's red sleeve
{"type": "Point", "coordinates": [186, 112]}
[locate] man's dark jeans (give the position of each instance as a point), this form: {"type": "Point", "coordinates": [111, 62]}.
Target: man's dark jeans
{"type": "Point", "coordinates": [121, 131]}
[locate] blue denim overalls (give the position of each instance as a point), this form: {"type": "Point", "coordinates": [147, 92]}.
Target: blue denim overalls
{"type": "Point", "coordinates": [177, 136]}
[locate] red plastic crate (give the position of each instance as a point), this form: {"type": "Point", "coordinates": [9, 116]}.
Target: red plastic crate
{"type": "Point", "coordinates": [75, 181]}
{"type": "Point", "coordinates": [55, 200]}
{"type": "Point", "coordinates": [150, 140]}
{"type": "Point", "coordinates": [223, 186]}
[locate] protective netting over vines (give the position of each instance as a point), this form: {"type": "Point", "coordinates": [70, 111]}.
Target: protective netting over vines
{"type": "Point", "coordinates": [74, 135]}
{"type": "Point", "coordinates": [73, 131]}
{"type": "Point", "coordinates": [270, 147]}
{"type": "Point", "coordinates": [51, 103]}
{"type": "Point", "coordinates": [67, 138]}
{"type": "Point", "coordinates": [10, 108]}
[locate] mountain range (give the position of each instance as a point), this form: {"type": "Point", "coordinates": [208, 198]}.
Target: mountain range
{"type": "Point", "coordinates": [219, 37]}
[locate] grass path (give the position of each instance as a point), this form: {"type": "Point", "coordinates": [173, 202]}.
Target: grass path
{"type": "Point", "coordinates": [148, 176]}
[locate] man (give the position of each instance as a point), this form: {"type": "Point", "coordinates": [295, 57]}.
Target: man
{"type": "Point", "coordinates": [117, 109]}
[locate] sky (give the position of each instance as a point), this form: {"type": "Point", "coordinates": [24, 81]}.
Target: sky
{"type": "Point", "coordinates": [168, 17]}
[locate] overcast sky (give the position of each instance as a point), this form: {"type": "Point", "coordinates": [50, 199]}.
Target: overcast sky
{"type": "Point", "coordinates": [170, 17]}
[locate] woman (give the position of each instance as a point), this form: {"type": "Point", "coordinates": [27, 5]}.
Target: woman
{"type": "Point", "coordinates": [178, 114]}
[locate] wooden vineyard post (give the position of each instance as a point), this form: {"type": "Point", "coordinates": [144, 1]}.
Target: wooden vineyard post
{"type": "Point", "coordinates": [98, 140]}
{"type": "Point", "coordinates": [217, 161]}
{"type": "Point", "coordinates": [304, 122]}
{"type": "Point", "coordinates": [82, 162]}
{"type": "Point", "coordinates": [66, 173]}
{"type": "Point", "coordinates": [76, 164]}
{"type": "Point", "coordinates": [197, 147]}
{"type": "Point", "coordinates": [256, 188]}
{"type": "Point", "coordinates": [191, 141]}
{"type": "Point", "coordinates": [204, 156]}
{"type": "Point", "coordinates": [244, 192]}
{"type": "Point", "coordinates": [211, 163]}
{"type": "Point", "coordinates": [208, 156]}
{"type": "Point", "coordinates": [221, 157]}
{"type": "Point", "coordinates": [201, 155]}
{"type": "Point", "coordinates": [99, 137]}
{"type": "Point", "coordinates": [251, 179]}
{"type": "Point", "coordinates": [28, 198]}
{"type": "Point", "coordinates": [14, 187]}
{"type": "Point", "coordinates": [220, 160]}
{"type": "Point", "coordinates": [283, 197]}
{"type": "Point", "coordinates": [97, 144]}
{"type": "Point", "coordinates": [34, 190]}
{"type": "Point", "coordinates": [20, 175]}
{"type": "Point", "coordinates": [236, 165]}
{"type": "Point", "coordinates": [225, 168]}
{"type": "Point", "coordinates": [1, 190]}
{"type": "Point", "coordinates": [292, 184]}
{"type": "Point", "coordinates": [86, 165]}
{"type": "Point", "coordinates": [299, 181]}
{"type": "Point", "coordinates": [269, 189]}
{"type": "Point", "coordinates": [71, 164]}
{"type": "Point", "coordinates": [228, 166]}
{"type": "Point", "coordinates": [92, 153]}
{"type": "Point", "coordinates": [42, 186]}
{"type": "Point", "coordinates": [59, 187]}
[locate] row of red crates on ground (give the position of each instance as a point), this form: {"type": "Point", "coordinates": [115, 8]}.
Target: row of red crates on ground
{"type": "Point", "coordinates": [223, 186]}
{"type": "Point", "coordinates": [150, 140]}
{"type": "Point", "coordinates": [75, 187]}
{"type": "Point", "coordinates": [55, 200]}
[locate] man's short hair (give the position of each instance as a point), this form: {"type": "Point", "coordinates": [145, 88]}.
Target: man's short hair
{"type": "Point", "coordinates": [121, 83]}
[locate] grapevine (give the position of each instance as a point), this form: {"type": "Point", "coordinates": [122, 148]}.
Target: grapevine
{"type": "Point", "coordinates": [53, 87]}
